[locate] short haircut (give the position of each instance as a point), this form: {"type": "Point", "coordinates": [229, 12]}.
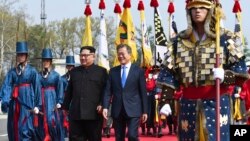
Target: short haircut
{"type": "Point", "coordinates": [126, 46]}
{"type": "Point", "coordinates": [90, 48]}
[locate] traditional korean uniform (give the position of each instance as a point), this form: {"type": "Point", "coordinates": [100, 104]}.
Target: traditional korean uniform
{"type": "Point", "coordinates": [189, 64]}
{"type": "Point", "coordinates": [20, 94]}
{"type": "Point", "coordinates": [65, 78]}
{"type": "Point", "coordinates": [52, 97]}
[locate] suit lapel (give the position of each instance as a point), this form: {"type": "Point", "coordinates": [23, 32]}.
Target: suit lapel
{"type": "Point", "coordinates": [119, 74]}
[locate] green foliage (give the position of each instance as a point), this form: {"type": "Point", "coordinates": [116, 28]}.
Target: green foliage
{"type": "Point", "coordinates": [246, 50]}
{"type": "Point", "coordinates": [10, 32]}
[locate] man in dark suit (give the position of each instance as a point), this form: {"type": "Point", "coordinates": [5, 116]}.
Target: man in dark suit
{"type": "Point", "coordinates": [126, 85]}
{"type": "Point", "coordinates": [84, 96]}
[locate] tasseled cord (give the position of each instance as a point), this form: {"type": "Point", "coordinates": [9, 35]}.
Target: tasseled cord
{"type": "Point", "coordinates": [140, 6]}
{"type": "Point", "coordinates": [171, 8]}
{"type": "Point", "coordinates": [88, 11]}
{"type": "Point", "coordinates": [154, 3]}
{"type": "Point", "coordinates": [117, 9]}
{"type": "Point", "coordinates": [102, 4]}
{"type": "Point", "coordinates": [127, 4]}
{"type": "Point", "coordinates": [236, 7]}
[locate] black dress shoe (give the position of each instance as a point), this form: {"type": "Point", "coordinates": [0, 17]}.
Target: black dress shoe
{"type": "Point", "coordinates": [159, 134]}
{"type": "Point", "coordinates": [149, 134]}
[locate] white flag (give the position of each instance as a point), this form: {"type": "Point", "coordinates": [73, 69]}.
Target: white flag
{"type": "Point", "coordinates": [102, 52]}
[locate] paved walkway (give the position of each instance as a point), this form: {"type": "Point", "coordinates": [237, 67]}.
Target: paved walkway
{"type": "Point", "coordinates": [3, 116]}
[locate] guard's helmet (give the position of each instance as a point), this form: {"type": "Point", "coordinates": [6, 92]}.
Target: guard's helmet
{"type": "Point", "coordinates": [70, 60]}
{"type": "Point", "coordinates": [47, 53]}
{"type": "Point", "coordinates": [210, 21]}
{"type": "Point", "coordinates": [200, 3]}
{"type": "Point", "coordinates": [22, 47]}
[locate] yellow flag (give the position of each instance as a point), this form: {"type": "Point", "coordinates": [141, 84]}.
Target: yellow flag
{"type": "Point", "coordinates": [126, 34]}
{"type": "Point", "coordinates": [146, 50]}
{"type": "Point", "coordinates": [87, 36]}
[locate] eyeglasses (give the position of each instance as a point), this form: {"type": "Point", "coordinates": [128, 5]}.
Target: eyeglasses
{"type": "Point", "coordinates": [85, 55]}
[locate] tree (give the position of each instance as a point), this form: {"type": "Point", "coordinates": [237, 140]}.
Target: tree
{"type": "Point", "coordinates": [246, 50]}
{"type": "Point", "coordinates": [8, 30]}
{"type": "Point", "coordinates": [63, 37]}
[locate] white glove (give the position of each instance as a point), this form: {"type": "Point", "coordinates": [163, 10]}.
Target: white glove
{"type": "Point", "coordinates": [150, 76]}
{"type": "Point", "coordinates": [219, 73]}
{"type": "Point", "coordinates": [58, 106]}
{"type": "Point", "coordinates": [155, 76]}
{"type": "Point", "coordinates": [236, 95]}
{"type": "Point", "coordinates": [156, 96]}
{"type": "Point", "coordinates": [36, 110]}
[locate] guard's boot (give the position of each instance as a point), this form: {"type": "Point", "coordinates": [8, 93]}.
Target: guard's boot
{"type": "Point", "coordinates": [175, 129]}
{"type": "Point", "coordinates": [148, 132]}
{"type": "Point", "coordinates": [104, 132]}
{"type": "Point", "coordinates": [143, 130]}
{"type": "Point", "coordinates": [170, 129]}
{"type": "Point", "coordinates": [154, 132]}
{"type": "Point", "coordinates": [108, 132]}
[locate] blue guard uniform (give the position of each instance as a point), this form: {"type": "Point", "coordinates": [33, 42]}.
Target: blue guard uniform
{"type": "Point", "coordinates": [70, 61]}
{"type": "Point", "coordinates": [52, 94]}
{"type": "Point", "coordinates": [21, 93]}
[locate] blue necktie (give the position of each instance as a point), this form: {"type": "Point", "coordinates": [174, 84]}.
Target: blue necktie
{"type": "Point", "coordinates": [124, 76]}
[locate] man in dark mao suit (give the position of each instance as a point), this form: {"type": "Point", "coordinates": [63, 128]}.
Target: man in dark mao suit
{"type": "Point", "coordinates": [129, 101]}
{"type": "Point", "coordinates": [83, 98]}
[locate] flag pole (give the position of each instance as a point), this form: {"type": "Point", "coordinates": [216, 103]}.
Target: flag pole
{"type": "Point", "coordinates": [171, 10]}
{"type": "Point", "coordinates": [87, 35]}
{"type": "Point", "coordinates": [141, 8]}
{"type": "Point", "coordinates": [169, 27]}
{"type": "Point", "coordinates": [154, 4]}
{"type": "Point", "coordinates": [217, 65]}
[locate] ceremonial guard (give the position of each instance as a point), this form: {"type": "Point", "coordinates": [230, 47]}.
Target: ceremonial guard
{"type": "Point", "coordinates": [189, 67]}
{"type": "Point", "coordinates": [150, 86]}
{"type": "Point", "coordinates": [245, 97]}
{"type": "Point", "coordinates": [52, 98]}
{"type": "Point", "coordinates": [239, 106]}
{"type": "Point", "coordinates": [21, 96]}
{"type": "Point", "coordinates": [70, 64]}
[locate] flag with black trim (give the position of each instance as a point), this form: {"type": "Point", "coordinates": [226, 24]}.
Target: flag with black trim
{"type": "Point", "coordinates": [160, 38]}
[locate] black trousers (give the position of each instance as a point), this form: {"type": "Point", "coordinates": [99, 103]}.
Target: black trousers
{"type": "Point", "coordinates": [85, 130]}
{"type": "Point", "coordinates": [123, 121]}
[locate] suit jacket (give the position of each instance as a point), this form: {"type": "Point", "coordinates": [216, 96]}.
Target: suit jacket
{"type": "Point", "coordinates": [133, 96]}
{"type": "Point", "coordinates": [85, 92]}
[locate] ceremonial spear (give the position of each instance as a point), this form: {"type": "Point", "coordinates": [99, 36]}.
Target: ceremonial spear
{"type": "Point", "coordinates": [217, 65]}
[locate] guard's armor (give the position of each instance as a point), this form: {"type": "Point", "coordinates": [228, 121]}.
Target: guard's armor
{"type": "Point", "coordinates": [191, 64]}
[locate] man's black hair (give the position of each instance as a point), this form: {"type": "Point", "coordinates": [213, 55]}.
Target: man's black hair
{"type": "Point", "coordinates": [90, 48]}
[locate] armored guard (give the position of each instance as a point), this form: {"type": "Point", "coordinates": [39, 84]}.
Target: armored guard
{"type": "Point", "coordinates": [189, 66]}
